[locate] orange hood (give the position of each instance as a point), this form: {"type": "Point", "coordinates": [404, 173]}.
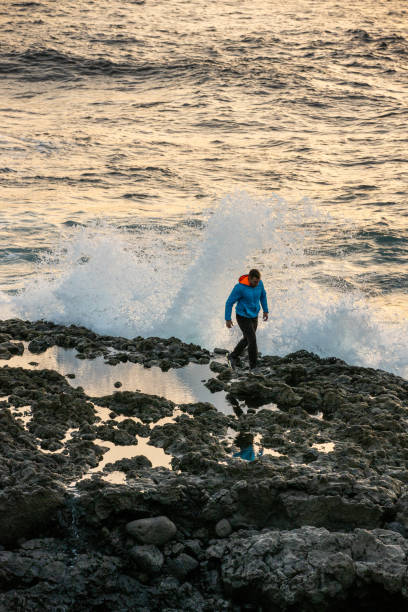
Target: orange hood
{"type": "Point", "coordinates": [244, 280]}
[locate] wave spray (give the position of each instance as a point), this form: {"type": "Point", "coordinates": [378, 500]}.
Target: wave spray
{"type": "Point", "coordinates": [120, 283]}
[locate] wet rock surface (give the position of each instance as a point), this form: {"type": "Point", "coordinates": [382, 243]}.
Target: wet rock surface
{"type": "Point", "coordinates": [164, 352]}
{"type": "Point", "coordinates": [318, 522]}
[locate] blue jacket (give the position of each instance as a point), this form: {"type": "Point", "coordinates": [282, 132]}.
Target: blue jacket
{"type": "Point", "coordinates": [247, 299]}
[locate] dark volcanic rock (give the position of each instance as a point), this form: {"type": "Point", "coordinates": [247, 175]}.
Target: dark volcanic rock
{"type": "Point", "coordinates": [181, 566]}
{"type": "Point", "coordinates": [319, 523]}
{"type": "Point", "coordinates": [187, 434]}
{"type": "Point", "coordinates": [168, 353]}
{"type": "Point", "coordinates": [223, 528]}
{"type": "Point", "coordinates": [156, 530]}
{"type": "Point", "coordinates": [214, 385]}
{"type": "Point", "coordinates": [148, 558]}
{"type": "Point", "coordinates": [41, 344]}
{"type": "Point", "coordinates": [216, 366]}
{"type": "Point", "coordinates": [148, 408]}
{"type": "Point", "coordinates": [260, 567]}
{"type": "Point", "coordinates": [127, 465]}
{"type": "Point", "coordinates": [113, 434]}
{"type": "Point", "coordinates": [27, 510]}
{"type": "Point", "coordinates": [52, 578]}
{"type": "Point", "coordinates": [8, 349]}
{"type": "Point", "coordinates": [262, 391]}
{"type": "Point", "coordinates": [30, 494]}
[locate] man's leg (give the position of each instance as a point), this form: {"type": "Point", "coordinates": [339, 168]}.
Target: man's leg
{"type": "Point", "coordinates": [248, 328]}
{"type": "Point", "coordinates": [252, 345]}
{"type": "Point", "coordinates": [244, 325]}
{"type": "Point", "coordinates": [239, 348]}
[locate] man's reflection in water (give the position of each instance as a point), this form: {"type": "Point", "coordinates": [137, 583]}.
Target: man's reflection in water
{"type": "Point", "coordinates": [245, 442]}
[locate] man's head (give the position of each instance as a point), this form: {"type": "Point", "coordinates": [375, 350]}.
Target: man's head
{"type": "Point", "coordinates": [254, 277]}
{"type": "Point", "coordinates": [244, 439]}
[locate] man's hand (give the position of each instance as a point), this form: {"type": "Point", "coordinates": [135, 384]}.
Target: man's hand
{"type": "Point", "coordinates": [265, 316]}
{"type": "Point", "coordinates": [229, 324]}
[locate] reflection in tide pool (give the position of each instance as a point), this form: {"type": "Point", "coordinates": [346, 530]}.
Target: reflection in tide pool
{"type": "Point", "coordinates": [97, 378]}
{"type": "Point", "coordinates": [116, 477]}
{"type": "Point", "coordinates": [156, 455]}
{"type": "Point", "coordinates": [324, 447]}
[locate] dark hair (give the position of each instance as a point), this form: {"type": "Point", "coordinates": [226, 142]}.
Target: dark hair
{"type": "Point", "coordinates": [244, 439]}
{"type": "Point", "coordinates": [254, 273]}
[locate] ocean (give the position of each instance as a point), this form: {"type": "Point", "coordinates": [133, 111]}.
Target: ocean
{"type": "Point", "coordinates": [152, 152]}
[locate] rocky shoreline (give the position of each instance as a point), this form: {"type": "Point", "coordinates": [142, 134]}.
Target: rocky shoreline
{"type": "Point", "coordinates": [318, 522]}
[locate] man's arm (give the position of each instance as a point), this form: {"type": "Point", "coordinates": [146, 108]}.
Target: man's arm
{"type": "Point", "coordinates": [233, 297]}
{"type": "Point", "coordinates": [264, 303]}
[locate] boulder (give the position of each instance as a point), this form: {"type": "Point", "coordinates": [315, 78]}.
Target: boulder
{"type": "Point", "coordinates": [148, 558]}
{"type": "Point", "coordinates": [155, 530]}
{"type": "Point", "coordinates": [214, 385]}
{"type": "Point", "coordinates": [40, 345]}
{"type": "Point", "coordinates": [12, 348]}
{"type": "Point", "coordinates": [216, 366]}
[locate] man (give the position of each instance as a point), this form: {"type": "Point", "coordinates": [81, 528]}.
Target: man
{"type": "Point", "coordinates": [247, 293]}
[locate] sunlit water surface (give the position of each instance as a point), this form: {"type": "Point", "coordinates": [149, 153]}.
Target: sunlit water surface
{"type": "Point", "coordinates": [144, 119]}
{"type": "Point", "coordinates": [98, 378]}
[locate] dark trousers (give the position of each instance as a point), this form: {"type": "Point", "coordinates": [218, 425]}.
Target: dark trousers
{"type": "Point", "coordinates": [248, 328]}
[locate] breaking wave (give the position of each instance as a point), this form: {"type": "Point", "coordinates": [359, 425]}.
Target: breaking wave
{"type": "Point", "coordinates": [116, 282]}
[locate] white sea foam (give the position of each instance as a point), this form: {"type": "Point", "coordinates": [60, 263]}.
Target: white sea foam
{"type": "Point", "coordinates": [116, 283]}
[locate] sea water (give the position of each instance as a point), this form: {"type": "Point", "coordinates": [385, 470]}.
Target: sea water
{"type": "Point", "coordinates": [148, 158]}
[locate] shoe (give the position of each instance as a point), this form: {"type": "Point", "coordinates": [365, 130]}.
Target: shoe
{"type": "Point", "coordinates": [232, 361]}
